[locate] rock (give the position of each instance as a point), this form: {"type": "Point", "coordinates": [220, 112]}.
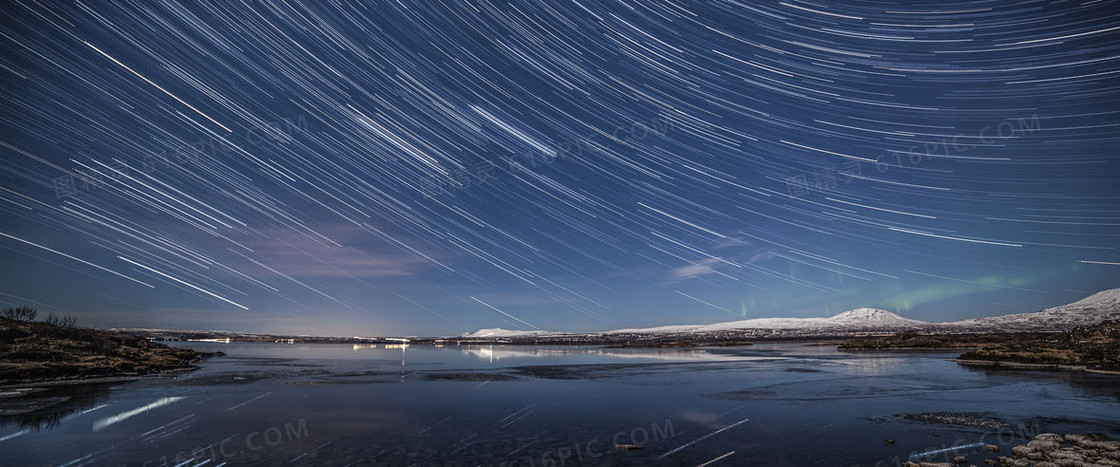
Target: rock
{"type": "Point", "coordinates": [960, 460]}
{"type": "Point", "coordinates": [1066, 453]}
{"type": "Point", "coordinates": [1086, 443]}
{"type": "Point", "coordinates": [935, 464]}
{"type": "Point", "coordinates": [888, 442]}
{"type": "Point", "coordinates": [1045, 464]}
{"type": "Point", "coordinates": [628, 447]}
{"type": "Point", "coordinates": [909, 464]}
{"type": "Point", "coordinates": [991, 448]}
{"type": "Point", "coordinates": [1021, 451]}
{"type": "Point", "coordinates": [1044, 444]}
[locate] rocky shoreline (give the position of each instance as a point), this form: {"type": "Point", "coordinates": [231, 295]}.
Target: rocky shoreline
{"type": "Point", "coordinates": [45, 367]}
{"type": "Point", "coordinates": [1047, 450]}
{"type": "Point", "coordinates": [1092, 348]}
{"type": "Point", "coordinates": [1072, 450]}
{"type": "Point", "coordinates": [44, 353]}
{"type": "Point", "coordinates": [1034, 366]}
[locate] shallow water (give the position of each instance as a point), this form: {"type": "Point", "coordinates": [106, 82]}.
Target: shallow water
{"type": "Point", "coordinates": [768, 404]}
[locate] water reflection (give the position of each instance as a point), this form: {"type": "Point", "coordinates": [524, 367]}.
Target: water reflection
{"type": "Point", "coordinates": [402, 347]}
{"type": "Point", "coordinates": [521, 405]}
{"type": "Point", "coordinates": [1088, 385]}
{"type": "Point", "coordinates": [122, 416]}
{"type": "Point", "coordinates": [46, 409]}
{"type": "Point", "coordinates": [496, 353]}
{"type": "Point", "coordinates": [872, 366]}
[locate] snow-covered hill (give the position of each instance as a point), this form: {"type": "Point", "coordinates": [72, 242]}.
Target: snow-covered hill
{"type": "Point", "coordinates": [759, 323]}
{"type": "Point", "coordinates": [499, 332]}
{"type": "Point", "coordinates": [874, 318]}
{"type": "Point", "coordinates": [1093, 309]}
{"type": "Point", "coordinates": [859, 319]}
{"type": "Point", "coordinates": [1090, 310]}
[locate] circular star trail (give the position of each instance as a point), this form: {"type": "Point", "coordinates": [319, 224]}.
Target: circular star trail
{"type": "Point", "coordinates": [435, 167]}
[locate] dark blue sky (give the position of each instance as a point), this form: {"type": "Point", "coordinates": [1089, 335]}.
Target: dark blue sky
{"type": "Point", "coordinates": [436, 167]}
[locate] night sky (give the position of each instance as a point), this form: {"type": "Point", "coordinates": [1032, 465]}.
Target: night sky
{"type": "Point", "coordinates": [430, 168]}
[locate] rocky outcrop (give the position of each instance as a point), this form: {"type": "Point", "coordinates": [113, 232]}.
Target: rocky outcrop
{"type": "Point", "coordinates": [1092, 348]}
{"type": "Point", "coordinates": [35, 351]}
{"type": "Point", "coordinates": [1054, 450]}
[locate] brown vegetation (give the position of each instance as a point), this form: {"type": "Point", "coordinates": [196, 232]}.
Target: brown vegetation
{"type": "Point", "coordinates": [58, 350]}
{"type": "Point", "coordinates": [1095, 346]}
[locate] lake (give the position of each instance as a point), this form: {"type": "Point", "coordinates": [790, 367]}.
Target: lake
{"type": "Point", "coordinates": [779, 404]}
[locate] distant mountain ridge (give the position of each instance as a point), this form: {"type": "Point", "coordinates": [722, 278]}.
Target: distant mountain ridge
{"type": "Point", "coordinates": [1096, 308]}
{"type": "Point", "coordinates": [859, 319]}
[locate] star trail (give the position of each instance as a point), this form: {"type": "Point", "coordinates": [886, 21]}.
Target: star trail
{"type": "Point", "coordinates": [436, 167]}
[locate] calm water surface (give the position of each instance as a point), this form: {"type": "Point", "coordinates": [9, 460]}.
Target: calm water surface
{"type": "Point", "coordinates": [769, 404]}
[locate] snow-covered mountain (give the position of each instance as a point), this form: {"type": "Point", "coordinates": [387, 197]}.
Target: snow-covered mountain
{"type": "Point", "coordinates": [1093, 309]}
{"type": "Point", "coordinates": [499, 332]}
{"type": "Point", "coordinates": [759, 323]}
{"type": "Point", "coordinates": [874, 318]}
{"type": "Point", "coordinates": [1090, 310]}
{"type": "Point", "coordinates": [859, 319]}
